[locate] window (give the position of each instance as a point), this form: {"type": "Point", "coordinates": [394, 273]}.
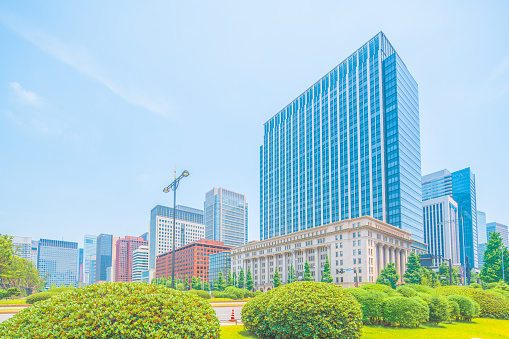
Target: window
{"type": "Point", "coordinates": [337, 254]}
{"type": "Point", "coordinates": [354, 234]}
{"type": "Point", "coordinates": [359, 234]}
{"type": "Point", "coordinates": [354, 261]}
{"type": "Point", "coordinates": [341, 262]}
{"type": "Point", "coordinates": [341, 253]}
{"type": "Point", "coordinates": [358, 242]}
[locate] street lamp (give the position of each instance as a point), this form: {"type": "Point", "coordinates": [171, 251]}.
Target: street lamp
{"type": "Point", "coordinates": [173, 186]}
{"type": "Point", "coordinates": [502, 254]}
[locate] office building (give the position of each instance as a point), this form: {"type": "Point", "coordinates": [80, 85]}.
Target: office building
{"type": "Point", "coordinates": [144, 236]}
{"type": "Point", "coordinates": [219, 262]}
{"type": "Point", "coordinates": [191, 260]}
{"type": "Point", "coordinates": [80, 266]}
{"type": "Point", "coordinates": [103, 256]}
{"type": "Point", "coordinates": [23, 248]}
{"type": "Point", "coordinates": [441, 229]}
{"type": "Point", "coordinates": [93, 266]}
{"type": "Point", "coordinates": [360, 248]}
{"type": "Point", "coordinates": [460, 185]}
{"type": "Point", "coordinates": [34, 251]}
{"type": "Point", "coordinates": [190, 227]}
{"type": "Point", "coordinates": [57, 262]}
{"type": "Point", "coordinates": [482, 233]}
{"type": "Point", "coordinates": [89, 250]}
{"type": "Point", "coordinates": [481, 249]}
{"type": "Point", "coordinates": [140, 263]}
{"type": "Point", "coordinates": [348, 146]}
{"type": "Point", "coordinates": [499, 228]}
{"type": "Point", "coordinates": [225, 214]}
{"type": "Point", "coordinates": [124, 257]}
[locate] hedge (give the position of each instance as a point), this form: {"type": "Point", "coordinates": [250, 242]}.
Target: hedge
{"type": "Point", "coordinates": [200, 293]}
{"type": "Point", "coordinates": [405, 312]}
{"type": "Point", "coordinates": [379, 287]}
{"type": "Point", "coordinates": [116, 310]}
{"type": "Point", "coordinates": [467, 309]}
{"type": "Point", "coordinates": [32, 299]}
{"type": "Point", "coordinates": [491, 305]}
{"type": "Point", "coordinates": [421, 288]}
{"type": "Point", "coordinates": [438, 309]}
{"type": "Point", "coordinates": [304, 309]}
{"type": "Point", "coordinates": [406, 291]}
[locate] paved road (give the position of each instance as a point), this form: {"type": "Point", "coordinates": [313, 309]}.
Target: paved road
{"type": "Point", "coordinates": [5, 317]}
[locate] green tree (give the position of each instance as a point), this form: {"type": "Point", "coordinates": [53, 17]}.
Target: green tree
{"type": "Point", "coordinates": [413, 273]}
{"type": "Point", "coordinates": [492, 268]}
{"type": "Point", "coordinates": [389, 276]}
{"type": "Point", "coordinates": [327, 276]}
{"type": "Point", "coordinates": [429, 278]}
{"type": "Point", "coordinates": [53, 285]}
{"type": "Point", "coordinates": [234, 279]}
{"type": "Point", "coordinates": [229, 281]}
{"type": "Point", "coordinates": [186, 283]}
{"type": "Point", "coordinates": [206, 286]}
{"type": "Point", "coordinates": [71, 285]}
{"type": "Point", "coordinates": [168, 282]}
{"type": "Point", "coordinates": [249, 280]}
{"type": "Point", "coordinates": [307, 272]}
{"type": "Point", "coordinates": [241, 279]}
{"type": "Point", "coordinates": [214, 284]}
{"type": "Point", "coordinates": [6, 255]}
{"type": "Point", "coordinates": [194, 283]}
{"type": "Point", "coordinates": [221, 284]}
{"type": "Point", "coordinates": [443, 274]}
{"type": "Point", "coordinates": [276, 278]}
{"type": "Point", "coordinates": [291, 275]}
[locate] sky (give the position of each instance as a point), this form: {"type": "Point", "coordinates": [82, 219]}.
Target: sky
{"type": "Point", "coordinates": [101, 101]}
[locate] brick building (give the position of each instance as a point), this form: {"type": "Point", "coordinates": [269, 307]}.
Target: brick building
{"type": "Point", "coordinates": [191, 259]}
{"type": "Point", "coordinates": [124, 257]}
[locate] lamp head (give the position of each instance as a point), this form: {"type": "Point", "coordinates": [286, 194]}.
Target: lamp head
{"type": "Point", "coordinates": [185, 173]}
{"type": "Point", "coordinates": [166, 190]}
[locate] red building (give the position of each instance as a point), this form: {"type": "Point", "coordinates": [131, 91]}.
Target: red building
{"type": "Point", "coordinates": [124, 257]}
{"type": "Point", "coordinates": [191, 260]}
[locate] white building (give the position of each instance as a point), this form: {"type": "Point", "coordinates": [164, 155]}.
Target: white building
{"type": "Point", "coordinates": [361, 247]}
{"type": "Point", "coordinates": [441, 228]}
{"type": "Point", "coordinates": [140, 263]}
{"type": "Point", "coordinates": [89, 250]}
{"type": "Point", "coordinates": [24, 248]}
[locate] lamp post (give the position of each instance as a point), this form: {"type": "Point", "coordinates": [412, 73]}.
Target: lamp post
{"type": "Point", "coordinates": [173, 186]}
{"type": "Point", "coordinates": [502, 254]}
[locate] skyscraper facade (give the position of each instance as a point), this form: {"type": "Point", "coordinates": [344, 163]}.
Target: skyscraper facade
{"type": "Point", "coordinates": [124, 257]}
{"type": "Point", "coordinates": [348, 146]}
{"type": "Point", "coordinates": [58, 262]}
{"type": "Point", "coordinates": [219, 262]}
{"type": "Point", "coordinates": [103, 256]}
{"type": "Point", "coordinates": [189, 228]}
{"type": "Point", "coordinates": [226, 214]}
{"type": "Point", "coordinates": [89, 250]}
{"type": "Point", "coordinates": [34, 252]}
{"type": "Point", "coordinates": [437, 184]}
{"type": "Point", "coordinates": [441, 228]}
{"type": "Point", "coordinates": [80, 266]}
{"type": "Point", "coordinates": [499, 228]}
{"type": "Point", "coordinates": [23, 247]}
{"type": "Point", "coordinates": [140, 263]}
{"type": "Point", "coordinates": [482, 233]}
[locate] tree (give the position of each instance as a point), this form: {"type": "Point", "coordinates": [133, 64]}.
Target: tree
{"type": "Point", "coordinates": [307, 272]}
{"type": "Point", "coordinates": [168, 282]}
{"type": "Point", "coordinates": [413, 273]}
{"type": "Point", "coordinates": [492, 268]}
{"type": "Point", "coordinates": [443, 274]}
{"type": "Point", "coordinates": [276, 278]}
{"type": "Point", "coordinates": [241, 279]}
{"type": "Point", "coordinates": [291, 275]}
{"type": "Point", "coordinates": [206, 286]}
{"type": "Point", "coordinates": [429, 278]}
{"type": "Point", "coordinates": [71, 285]}
{"type": "Point", "coordinates": [389, 276]}
{"type": "Point", "coordinates": [327, 276]}
{"type": "Point", "coordinates": [214, 284]}
{"type": "Point", "coordinates": [53, 285]}
{"type": "Point", "coordinates": [249, 280]}
{"type": "Point", "coordinates": [234, 279]}
{"type": "Point", "coordinates": [6, 255]}
{"type": "Point", "coordinates": [221, 284]}
{"type": "Point", "coordinates": [194, 284]}
{"type": "Point", "coordinates": [229, 281]}
{"type": "Point", "coordinates": [186, 283]}
{"type": "Point", "coordinates": [13, 292]}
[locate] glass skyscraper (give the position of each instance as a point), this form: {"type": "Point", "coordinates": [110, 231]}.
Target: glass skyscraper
{"type": "Point", "coordinates": [103, 257]}
{"type": "Point", "coordinates": [57, 262]}
{"type": "Point", "coordinates": [89, 250]}
{"type": "Point", "coordinates": [348, 146]}
{"type": "Point", "coordinates": [499, 228]}
{"type": "Point", "coordinates": [226, 217]}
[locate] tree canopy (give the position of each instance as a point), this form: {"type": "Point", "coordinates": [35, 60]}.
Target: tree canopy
{"type": "Point", "coordinates": [389, 276]}
{"type": "Point", "coordinates": [327, 276]}
{"type": "Point", "coordinates": [492, 268]}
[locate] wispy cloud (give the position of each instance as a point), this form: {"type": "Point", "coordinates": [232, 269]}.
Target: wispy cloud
{"type": "Point", "coordinates": [83, 61]}
{"type": "Point", "coordinates": [33, 124]}
{"type": "Point", "coordinates": [24, 95]}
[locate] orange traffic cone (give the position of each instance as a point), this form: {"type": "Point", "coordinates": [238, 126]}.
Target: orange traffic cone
{"type": "Point", "coordinates": [233, 316]}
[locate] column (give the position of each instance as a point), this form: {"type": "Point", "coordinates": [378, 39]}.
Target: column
{"type": "Point", "coordinates": [380, 262]}
{"type": "Point", "coordinates": [386, 256]}
{"type": "Point", "coordinates": [396, 261]}
{"type": "Point", "coordinates": [391, 254]}
{"type": "Point", "coordinates": [403, 261]}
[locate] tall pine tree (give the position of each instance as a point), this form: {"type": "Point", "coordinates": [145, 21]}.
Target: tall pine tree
{"type": "Point", "coordinates": [389, 276]}
{"type": "Point", "coordinates": [492, 268]}
{"type": "Point", "coordinates": [234, 275]}
{"type": "Point", "coordinates": [206, 286]}
{"type": "Point", "coordinates": [249, 280]}
{"type": "Point", "coordinates": [327, 276]}
{"type": "Point", "coordinates": [276, 278]}
{"type": "Point", "coordinates": [413, 273]}
{"type": "Point", "coordinates": [241, 279]}
{"type": "Point", "coordinates": [229, 280]}
{"type": "Point", "coordinates": [307, 272]}
{"type": "Point", "coordinates": [291, 275]}
{"type": "Point", "coordinates": [221, 284]}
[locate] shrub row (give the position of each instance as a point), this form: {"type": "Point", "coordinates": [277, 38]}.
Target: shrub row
{"type": "Point", "coordinates": [233, 292]}
{"type": "Point", "coordinates": [32, 299]}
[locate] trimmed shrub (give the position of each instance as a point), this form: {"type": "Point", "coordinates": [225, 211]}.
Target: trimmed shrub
{"type": "Point", "coordinates": [454, 310]}
{"type": "Point", "coordinates": [503, 293]}
{"type": "Point", "coordinates": [116, 310]}
{"type": "Point", "coordinates": [438, 309]}
{"type": "Point", "coordinates": [32, 299]}
{"type": "Point", "coordinates": [60, 289]}
{"type": "Point", "coordinates": [379, 287]}
{"type": "Point", "coordinates": [404, 312]}
{"type": "Point", "coordinates": [406, 291]}
{"type": "Point", "coordinates": [466, 306]}
{"type": "Point", "coordinates": [200, 293]}
{"type": "Point", "coordinates": [371, 304]}
{"type": "Point", "coordinates": [475, 285]}
{"type": "Point", "coordinates": [304, 309]}
{"type": "Point", "coordinates": [491, 305]}
{"type": "Point", "coordinates": [421, 288]}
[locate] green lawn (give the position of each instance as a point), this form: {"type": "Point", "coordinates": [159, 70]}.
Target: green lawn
{"type": "Point", "coordinates": [480, 328]}
{"type": "Point", "coordinates": [13, 302]}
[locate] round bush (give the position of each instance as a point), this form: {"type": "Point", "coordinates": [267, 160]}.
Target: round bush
{"type": "Point", "coordinates": [304, 309]}
{"type": "Point", "coordinates": [491, 305]}
{"type": "Point", "coordinates": [32, 299]}
{"type": "Point", "coordinates": [454, 310]}
{"type": "Point", "coordinates": [116, 310]}
{"type": "Point", "coordinates": [404, 312]}
{"type": "Point", "coordinates": [421, 288]}
{"type": "Point", "coordinates": [438, 309]}
{"type": "Point", "coordinates": [406, 291]}
{"type": "Point", "coordinates": [379, 287]}
{"type": "Point", "coordinates": [60, 289]}
{"type": "Point", "coordinates": [371, 304]}
{"type": "Point", "coordinates": [475, 285]}
{"type": "Point", "coordinates": [492, 285]}
{"type": "Point", "coordinates": [202, 294]}
{"type": "Point", "coordinates": [466, 306]}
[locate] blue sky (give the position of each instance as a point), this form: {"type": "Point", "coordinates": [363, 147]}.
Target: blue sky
{"type": "Point", "coordinates": [100, 101]}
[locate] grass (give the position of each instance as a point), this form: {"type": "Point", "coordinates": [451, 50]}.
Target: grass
{"type": "Point", "coordinates": [225, 299]}
{"type": "Point", "coordinates": [479, 328]}
{"type": "Point", "coordinates": [13, 302]}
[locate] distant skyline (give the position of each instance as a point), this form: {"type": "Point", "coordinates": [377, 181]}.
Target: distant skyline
{"type": "Point", "coordinates": [99, 103]}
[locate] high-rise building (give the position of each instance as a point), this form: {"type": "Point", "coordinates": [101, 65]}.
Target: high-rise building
{"type": "Point", "coordinates": [441, 229]}
{"type": "Point", "coordinates": [124, 259]}
{"type": "Point", "coordinates": [482, 233]}
{"type": "Point", "coordinates": [103, 255]}
{"type": "Point", "coordinates": [219, 262]}
{"type": "Point", "coordinates": [225, 214]}
{"type": "Point", "coordinates": [89, 250]}
{"type": "Point", "coordinates": [80, 266]}
{"type": "Point", "coordinates": [191, 260]}
{"type": "Point", "coordinates": [58, 262]}
{"type": "Point", "coordinates": [348, 146]}
{"type": "Point", "coordinates": [23, 248]}
{"type": "Point", "coordinates": [93, 264]}
{"type": "Point", "coordinates": [481, 249]}
{"type": "Point", "coordinates": [140, 263]}
{"type": "Point", "coordinates": [499, 228]}
{"type": "Point", "coordinates": [33, 252]}
{"type": "Point", "coordinates": [460, 185]}
{"type": "Point", "coordinates": [144, 236]}
{"type": "Point", "coordinates": [190, 227]}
